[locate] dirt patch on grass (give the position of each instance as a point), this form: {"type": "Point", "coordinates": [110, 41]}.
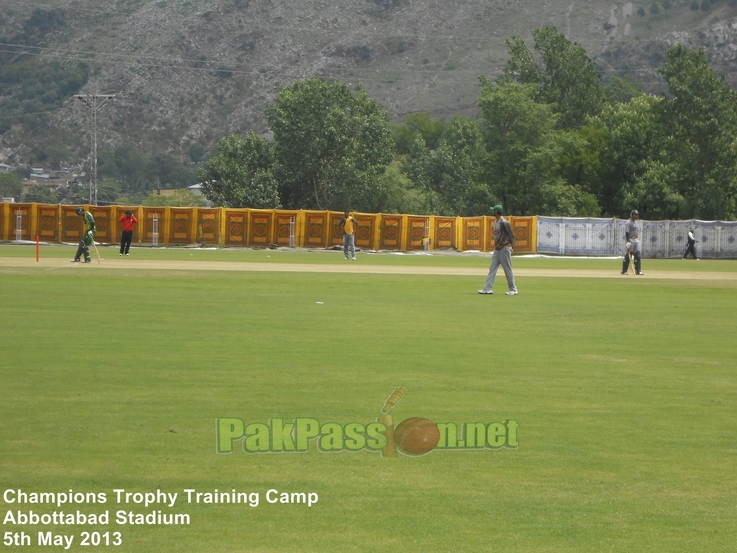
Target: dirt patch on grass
{"type": "Point", "coordinates": [346, 267]}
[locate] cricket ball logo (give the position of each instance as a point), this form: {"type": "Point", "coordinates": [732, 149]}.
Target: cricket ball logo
{"type": "Point", "coordinates": [413, 436]}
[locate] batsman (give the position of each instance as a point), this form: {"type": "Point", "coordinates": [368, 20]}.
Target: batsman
{"type": "Point", "coordinates": [88, 237]}
{"type": "Point", "coordinates": [632, 246]}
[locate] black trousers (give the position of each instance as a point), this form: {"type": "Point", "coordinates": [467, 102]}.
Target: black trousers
{"type": "Point", "coordinates": [125, 241]}
{"type": "Point", "coordinates": [690, 249]}
{"type": "Point", "coordinates": [626, 262]}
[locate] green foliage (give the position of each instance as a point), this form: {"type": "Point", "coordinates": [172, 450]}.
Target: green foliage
{"type": "Point", "coordinates": [622, 89]}
{"type": "Point", "coordinates": [414, 125]}
{"type": "Point", "coordinates": [632, 138]}
{"type": "Point", "coordinates": [39, 25]}
{"type": "Point", "coordinates": [700, 115]}
{"type": "Point", "coordinates": [180, 198]}
{"type": "Point", "coordinates": [566, 76]}
{"type": "Point", "coordinates": [331, 145]}
{"type": "Point", "coordinates": [39, 194]}
{"type": "Point", "coordinates": [196, 153]}
{"type": "Point", "coordinates": [55, 154]}
{"type": "Point", "coordinates": [73, 193]}
{"type": "Point", "coordinates": [30, 88]}
{"type": "Point", "coordinates": [240, 173]}
{"type": "Point", "coordinates": [520, 139]}
{"type": "Point", "coordinates": [10, 185]}
{"type": "Point", "coordinates": [138, 172]}
{"type": "Point", "coordinates": [107, 192]}
{"type": "Point", "coordinates": [451, 173]}
{"type": "Point", "coordinates": [398, 193]}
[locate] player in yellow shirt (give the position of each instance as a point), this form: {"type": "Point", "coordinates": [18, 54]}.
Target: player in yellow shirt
{"type": "Point", "coordinates": [349, 225]}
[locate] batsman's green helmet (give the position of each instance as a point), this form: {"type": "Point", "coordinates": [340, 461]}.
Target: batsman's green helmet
{"type": "Point", "coordinates": [80, 210]}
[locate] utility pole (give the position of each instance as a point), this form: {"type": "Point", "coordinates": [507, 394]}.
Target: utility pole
{"type": "Point", "coordinates": [94, 102]}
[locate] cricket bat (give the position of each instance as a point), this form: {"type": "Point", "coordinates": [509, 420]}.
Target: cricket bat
{"type": "Point", "coordinates": [99, 261]}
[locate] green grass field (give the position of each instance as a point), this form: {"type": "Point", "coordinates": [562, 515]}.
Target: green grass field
{"type": "Point", "coordinates": [624, 391]}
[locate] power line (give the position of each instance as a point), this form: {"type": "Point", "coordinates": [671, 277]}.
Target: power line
{"type": "Point", "coordinates": [364, 32]}
{"type": "Point", "coordinates": [94, 102]}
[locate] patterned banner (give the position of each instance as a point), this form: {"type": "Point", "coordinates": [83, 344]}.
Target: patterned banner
{"type": "Point", "coordinates": [71, 225]}
{"type": "Point", "coordinates": [20, 222]}
{"type": "Point", "coordinates": [391, 232]}
{"type": "Point", "coordinates": [283, 229]}
{"type": "Point", "coordinates": [522, 230]}
{"type": "Point", "coordinates": [315, 235]}
{"type": "Point", "coordinates": [445, 235]}
{"type": "Point", "coordinates": [472, 229]}
{"type": "Point", "coordinates": [235, 228]}
{"type": "Point", "coordinates": [181, 221]}
{"type": "Point", "coordinates": [48, 223]}
{"type": "Point", "coordinates": [336, 233]}
{"type": "Point", "coordinates": [102, 223]}
{"type": "Point", "coordinates": [208, 226]}
{"type": "Point", "coordinates": [419, 228]}
{"type": "Point", "coordinates": [154, 218]}
{"type": "Point", "coordinates": [365, 232]}
{"type": "Point", "coordinates": [260, 227]}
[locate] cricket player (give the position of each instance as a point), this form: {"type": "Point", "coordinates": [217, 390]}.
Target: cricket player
{"type": "Point", "coordinates": [691, 247]}
{"type": "Point", "coordinates": [632, 245]}
{"type": "Point", "coordinates": [349, 225]}
{"type": "Point", "coordinates": [87, 238]}
{"type": "Point", "coordinates": [503, 246]}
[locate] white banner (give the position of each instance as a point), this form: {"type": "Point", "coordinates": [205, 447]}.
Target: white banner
{"type": "Point", "coordinates": [660, 239]}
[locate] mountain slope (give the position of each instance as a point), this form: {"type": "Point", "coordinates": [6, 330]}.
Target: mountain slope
{"type": "Point", "coordinates": [189, 72]}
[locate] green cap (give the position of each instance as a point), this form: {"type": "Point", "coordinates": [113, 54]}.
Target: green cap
{"type": "Point", "coordinates": [498, 208]}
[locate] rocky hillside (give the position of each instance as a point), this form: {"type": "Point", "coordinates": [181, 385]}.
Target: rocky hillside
{"type": "Point", "coordinates": [187, 72]}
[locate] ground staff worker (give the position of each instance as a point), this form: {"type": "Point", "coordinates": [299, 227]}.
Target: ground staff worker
{"type": "Point", "coordinates": [87, 238]}
{"type": "Point", "coordinates": [503, 246]}
{"type": "Point", "coordinates": [632, 245]}
{"type": "Point", "coordinates": [128, 221]}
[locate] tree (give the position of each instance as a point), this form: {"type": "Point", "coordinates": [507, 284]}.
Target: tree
{"type": "Point", "coordinates": [108, 192]}
{"type": "Point", "coordinates": [622, 89]}
{"type": "Point", "coordinates": [629, 158]}
{"type": "Point", "coordinates": [398, 193]}
{"type": "Point", "coordinates": [180, 198]}
{"type": "Point", "coordinates": [520, 140]}
{"type": "Point", "coordinates": [55, 154]}
{"type": "Point", "coordinates": [330, 145]}
{"type": "Point", "coordinates": [418, 124]}
{"type": "Point", "coordinates": [451, 173]}
{"type": "Point", "coordinates": [566, 76]}
{"type": "Point", "coordinates": [10, 185]}
{"type": "Point", "coordinates": [240, 173]}
{"type": "Point", "coordinates": [700, 114]}
{"type": "Point", "coordinates": [73, 193]}
{"type": "Point", "coordinates": [39, 194]}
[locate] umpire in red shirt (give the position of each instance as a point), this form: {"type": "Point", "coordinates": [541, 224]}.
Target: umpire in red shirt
{"type": "Point", "coordinates": [128, 221]}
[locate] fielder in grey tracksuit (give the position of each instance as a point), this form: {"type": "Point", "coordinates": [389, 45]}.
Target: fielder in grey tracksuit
{"type": "Point", "coordinates": [503, 246]}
